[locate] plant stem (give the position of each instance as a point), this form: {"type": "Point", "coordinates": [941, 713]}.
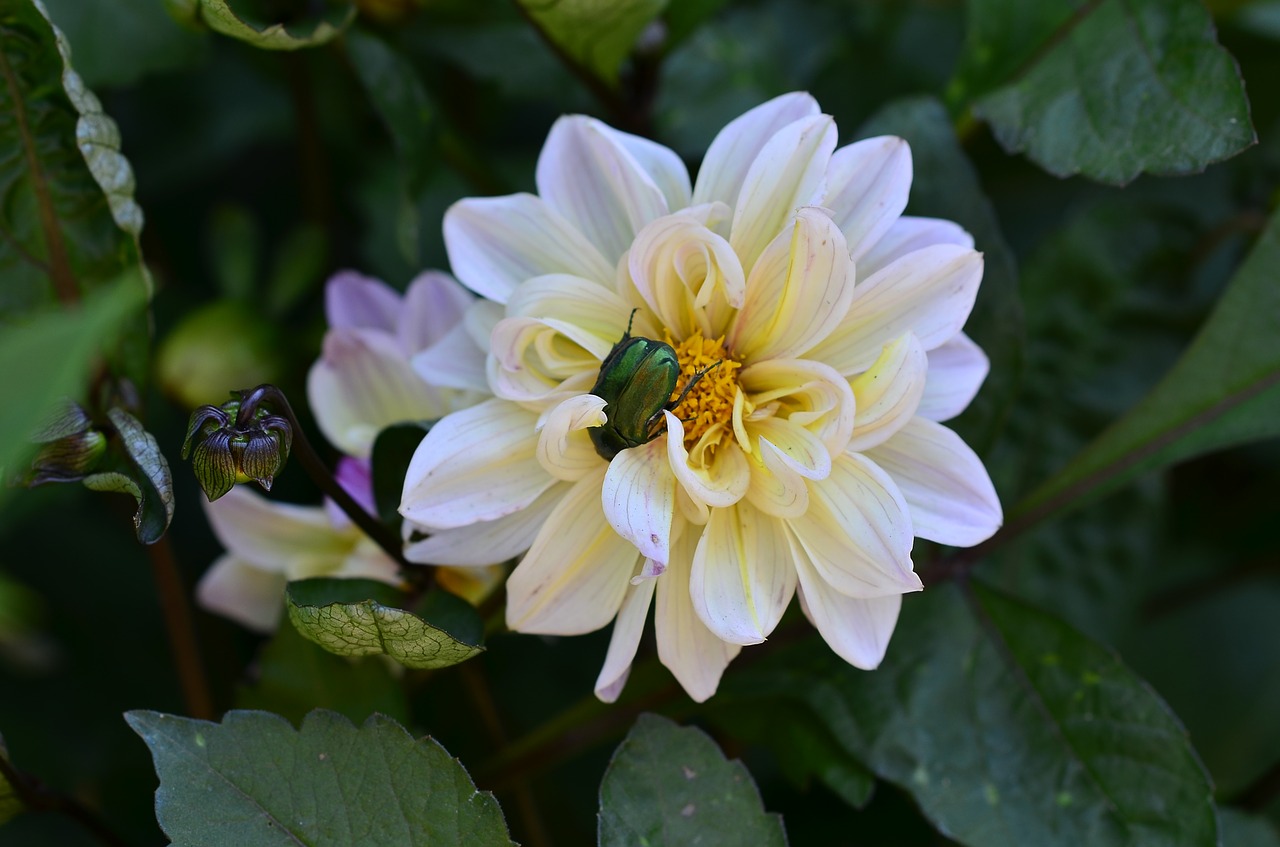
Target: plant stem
{"type": "Point", "coordinates": [178, 622]}
{"type": "Point", "coordinates": [323, 478]}
{"type": "Point", "coordinates": [38, 797]}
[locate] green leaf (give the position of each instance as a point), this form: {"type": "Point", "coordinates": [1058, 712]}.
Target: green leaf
{"type": "Point", "coordinates": [597, 34]}
{"type": "Point", "coordinates": [10, 804]}
{"type": "Point", "coordinates": [1244, 830]}
{"type": "Point", "coordinates": [1223, 391]}
{"type": "Point", "coordinates": [295, 676]}
{"type": "Point", "coordinates": [69, 220]}
{"type": "Point", "coordinates": [1108, 89]}
{"type": "Point", "coordinates": [1006, 726]}
{"type": "Point", "coordinates": [359, 617]}
{"type": "Point", "coordinates": [147, 471]}
{"type": "Point", "coordinates": [670, 786]}
{"type": "Point", "coordinates": [393, 87]}
{"type": "Point", "coordinates": [220, 17]}
{"type": "Point", "coordinates": [946, 186]}
{"type": "Point", "coordinates": [50, 356]}
{"type": "Point", "coordinates": [393, 449]}
{"type": "Point", "coordinates": [254, 780]}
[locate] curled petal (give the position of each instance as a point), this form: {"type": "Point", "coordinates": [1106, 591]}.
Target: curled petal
{"type": "Point", "coordinates": [929, 292]}
{"type": "Point", "coordinates": [434, 303]}
{"type": "Point", "coordinates": [486, 542]}
{"type": "Point", "coordinates": [736, 147]}
{"type": "Point", "coordinates": [688, 275]}
{"type": "Point", "coordinates": [248, 595]}
{"type": "Point", "coordinates": [358, 301]}
{"type": "Point", "coordinates": [788, 173]}
{"type": "Point", "coordinates": [475, 465]}
{"type": "Point", "coordinates": [564, 449]}
{"type": "Point", "coordinates": [590, 178]}
{"type": "Point", "coordinates": [639, 500]}
{"type": "Point", "coordinates": [867, 187]}
{"type": "Point", "coordinates": [694, 654]}
{"type": "Point", "coordinates": [722, 484]}
{"type": "Point", "coordinates": [572, 300]}
{"type": "Point", "coordinates": [496, 243]}
{"type": "Point", "coordinates": [857, 531]}
{"type": "Point", "coordinates": [796, 447]}
{"type": "Point", "coordinates": [888, 392]}
{"type": "Point", "coordinates": [627, 629]}
{"type": "Point", "coordinates": [857, 630]}
{"type": "Point", "coordinates": [742, 577]}
{"type": "Point", "coordinates": [798, 291]}
{"type": "Point", "coordinates": [531, 358]}
{"type": "Point", "coordinates": [951, 497]}
{"type": "Point", "coordinates": [776, 489]}
{"type": "Point", "coordinates": [806, 393]}
{"type": "Point", "coordinates": [957, 370]}
{"type": "Point", "coordinates": [575, 575]}
{"type": "Point", "coordinates": [906, 235]}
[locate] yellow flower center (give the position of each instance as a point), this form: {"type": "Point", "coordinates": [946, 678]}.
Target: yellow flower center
{"type": "Point", "coordinates": [707, 410]}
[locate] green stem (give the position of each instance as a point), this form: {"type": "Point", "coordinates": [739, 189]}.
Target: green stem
{"type": "Point", "coordinates": [178, 623]}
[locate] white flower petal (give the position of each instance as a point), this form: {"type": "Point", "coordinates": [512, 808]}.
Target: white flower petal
{"type": "Point", "coordinates": [565, 449]}
{"type": "Point", "coordinates": [797, 447]}
{"type": "Point", "coordinates": [246, 594]}
{"type": "Point", "coordinates": [889, 392]}
{"type": "Point", "coordinates": [735, 148]}
{"type": "Point", "coordinates": [723, 484]}
{"type": "Point", "coordinates": [693, 653]}
{"type": "Point", "coordinates": [857, 531]}
{"type": "Point", "coordinates": [572, 300]}
{"type": "Point", "coordinates": [487, 542]}
{"type": "Point", "coordinates": [797, 293]}
{"type": "Point", "coordinates": [591, 179]}
{"type": "Point", "coordinates": [628, 627]}
{"type": "Point", "coordinates": [776, 489]}
{"type": "Point", "coordinates": [496, 243]}
{"type": "Point", "coordinates": [787, 174]}
{"type": "Point", "coordinates": [957, 370]}
{"type": "Point", "coordinates": [362, 383]}
{"type": "Point", "coordinates": [268, 534]}
{"type": "Point", "coordinates": [354, 300]}
{"type": "Point", "coordinates": [950, 494]}
{"type": "Point", "coordinates": [906, 235]}
{"type": "Point", "coordinates": [867, 187]}
{"type": "Point", "coordinates": [809, 394]}
{"type": "Point", "coordinates": [478, 464]}
{"type": "Point", "coordinates": [531, 359]}
{"type": "Point", "coordinates": [857, 630]}
{"type": "Point", "coordinates": [575, 575]}
{"type": "Point", "coordinates": [639, 497]}
{"type": "Point", "coordinates": [454, 361]}
{"type": "Point", "coordinates": [742, 577]}
{"type": "Point", "coordinates": [433, 305]}
{"type": "Point", "coordinates": [929, 292]}
{"type": "Point", "coordinates": [663, 166]}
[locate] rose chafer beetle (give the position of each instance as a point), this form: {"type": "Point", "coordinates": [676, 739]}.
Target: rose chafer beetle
{"type": "Point", "coordinates": [636, 382]}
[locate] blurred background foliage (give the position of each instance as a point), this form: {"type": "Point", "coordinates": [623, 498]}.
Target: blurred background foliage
{"type": "Point", "coordinates": [263, 171]}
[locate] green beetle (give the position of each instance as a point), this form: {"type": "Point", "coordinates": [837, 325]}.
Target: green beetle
{"type": "Point", "coordinates": [636, 380]}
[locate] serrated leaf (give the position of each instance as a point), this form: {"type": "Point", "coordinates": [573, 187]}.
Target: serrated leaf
{"type": "Point", "coordinates": [70, 219]}
{"type": "Point", "coordinates": [294, 676]}
{"type": "Point", "coordinates": [597, 34]}
{"type": "Point", "coordinates": [393, 449]}
{"type": "Point", "coordinates": [360, 617]}
{"type": "Point", "coordinates": [945, 185]}
{"type": "Point", "coordinates": [670, 786]}
{"type": "Point", "coordinates": [10, 805]}
{"type": "Point", "coordinates": [1107, 89]}
{"type": "Point", "coordinates": [141, 472]}
{"type": "Point", "coordinates": [1008, 727]}
{"type": "Point", "coordinates": [220, 17]}
{"type": "Point", "coordinates": [1223, 391]}
{"type": "Point", "coordinates": [253, 781]}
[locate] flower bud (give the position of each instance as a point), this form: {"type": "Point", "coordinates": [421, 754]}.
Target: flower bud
{"type": "Point", "coordinates": [70, 446]}
{"type": "Point", "coordinates": [229, 444]}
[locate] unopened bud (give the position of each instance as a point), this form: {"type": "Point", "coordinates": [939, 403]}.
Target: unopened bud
{"type": "Point", "coordinates": [234, 443]}
{"type": "Point", "coordinates": [70, 446]}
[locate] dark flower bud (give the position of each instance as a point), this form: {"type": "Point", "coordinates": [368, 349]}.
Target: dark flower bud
{"type": "Point", "coordinates": [236, 442]}
{"type": "Point", "coordinates": [70, 446]}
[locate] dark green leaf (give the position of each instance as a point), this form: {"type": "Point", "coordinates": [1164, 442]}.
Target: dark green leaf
{"type": "Point", "coordinates": [1225, 390]}
{"type": "Point", "coordinates": [294, 676]}
{"type": "Point", "coordinates": [670, 786]}
{"type": "Point", "coordinates": [392, 451]}
{"type": "Point", "coordinates": [10, 805]}
{"type": "Point", "coordinates": [221, 17]}
{"type": "Point", "coordinates": [597, 34]}
{"type": "Point", "coordinates": [143, 473]}
{"type": "Point", "coordinates": [946, 186]}
{"type": "Point", "coordinates": [360, 617]}
{"type": "Point", "coordinates": [1109, 89]}
{"type": "Point", "coordinates": [1007, 726]}
{"type": "Point", "coordinates": [254, 780]}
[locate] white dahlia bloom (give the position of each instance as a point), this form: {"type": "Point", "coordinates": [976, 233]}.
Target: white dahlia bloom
{"type": "Point", "coordinates": [818, 339]}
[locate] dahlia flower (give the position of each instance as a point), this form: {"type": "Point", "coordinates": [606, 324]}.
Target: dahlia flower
{"type": "Point", "coordinates": [817, 336]}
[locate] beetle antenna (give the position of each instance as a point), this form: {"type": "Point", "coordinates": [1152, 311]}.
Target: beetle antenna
{"type": "Point", "coordinates": [692, 382]}
{"type": "Point", "coordinates": [630, 321]}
